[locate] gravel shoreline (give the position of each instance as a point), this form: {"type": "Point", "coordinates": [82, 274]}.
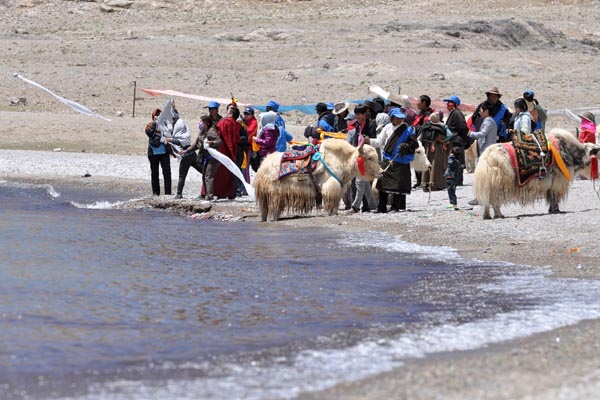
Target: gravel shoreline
{"type": "Point", "coordinates": [559, 364]}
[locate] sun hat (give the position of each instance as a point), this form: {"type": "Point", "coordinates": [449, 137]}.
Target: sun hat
{"type": "Point", "coordinates": [273, 104]}
{"type": "Point", "coordinates": [213, 104]}
{"type": "Point", "coordinates": [399, 100]}
{"type": "Point", "coordinates": [589, 116]}
{"type": "Point", "coordinates": [340, 107]}
{"type": "Point", "coordinates": [396, 112]}
{"type": "Point", "coordinates": [494, 90]}
{"type": "Point", "coordinates": [453, 99]}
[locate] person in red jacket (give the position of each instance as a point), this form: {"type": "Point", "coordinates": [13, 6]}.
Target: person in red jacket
{"type": "Point", "coordinates": [229, 133]}
{"type": "Point", "coordinates": [587, 131]}
{"type": "Point", "coordinates": [251, 129]}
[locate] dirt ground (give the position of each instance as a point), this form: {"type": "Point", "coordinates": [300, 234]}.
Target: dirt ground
{"type": "Point", "coordinates": [308, 51]}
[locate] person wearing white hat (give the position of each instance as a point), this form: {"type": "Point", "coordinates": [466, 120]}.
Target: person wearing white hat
{"type": "Point", "coordinates": [340, 111]}
{"type": "Point", "coordinates": [499, 113]}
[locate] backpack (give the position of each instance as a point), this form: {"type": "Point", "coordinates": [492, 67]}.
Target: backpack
{"type": "Point", "coordinates": [429, 132]}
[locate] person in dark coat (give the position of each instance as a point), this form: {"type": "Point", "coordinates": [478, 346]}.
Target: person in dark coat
{"type": "Point", "coordinates": [398, 152]}
{"type": "Point", "coordinates": [457, 125]}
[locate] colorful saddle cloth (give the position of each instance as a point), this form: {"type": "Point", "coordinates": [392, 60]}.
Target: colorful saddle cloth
{"type": "Point", "coordinates": [526, 157]}
{"type": "Point", "coordinates": [296, 160]}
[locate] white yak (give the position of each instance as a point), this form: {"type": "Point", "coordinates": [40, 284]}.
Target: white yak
{"type": "Point", "coordinates": [299, 193]}
{"type": "Point", "coordinates": [495, 180]}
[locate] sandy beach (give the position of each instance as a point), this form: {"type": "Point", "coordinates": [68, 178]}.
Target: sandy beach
{"type": "Point", "coordinates": [90, 52]}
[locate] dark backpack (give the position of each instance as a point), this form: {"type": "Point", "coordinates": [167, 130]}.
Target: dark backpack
{"type": "Point", "coordinates": [429, 132]}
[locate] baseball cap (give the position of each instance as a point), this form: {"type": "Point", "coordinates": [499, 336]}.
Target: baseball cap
{"type": "Point", "coordinates": [396, 112]}
{"type": "Point", "coordinates": [213, 104]}
{"type": "Point", "coordinates": [249, 110]}
{"type": "Point", "coordinates": [453, 99]}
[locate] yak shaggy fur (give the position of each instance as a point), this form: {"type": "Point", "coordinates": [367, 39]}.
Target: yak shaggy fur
{"type": "Point", "coordinates": [495, 180]}
{"type": "Point", "coordinates": [297, 194]}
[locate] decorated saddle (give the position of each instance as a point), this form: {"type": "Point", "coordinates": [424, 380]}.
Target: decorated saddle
{"type": "Point", "coordinates": [531, 155]}
{"type": "Point", "coordinates": [297, 160]}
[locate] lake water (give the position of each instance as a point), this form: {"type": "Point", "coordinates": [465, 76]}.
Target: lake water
{"type": "Point", "coordinates": [100, 302]}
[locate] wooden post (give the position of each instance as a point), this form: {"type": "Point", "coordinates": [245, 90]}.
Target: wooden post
{"type": "Point", "coordinates": [134, 87]}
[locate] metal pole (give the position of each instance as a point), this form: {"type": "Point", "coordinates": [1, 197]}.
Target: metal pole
{"type": "Point", "coordinates": [134, 87]}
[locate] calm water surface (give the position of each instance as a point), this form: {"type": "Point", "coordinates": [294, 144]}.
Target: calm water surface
{"type": "Point", "coordinates": [105, 303]}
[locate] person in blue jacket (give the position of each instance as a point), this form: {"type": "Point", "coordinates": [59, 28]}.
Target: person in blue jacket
{"type": "Point", "coordinates": [398, 152]}
{"type": "Point", "coordinates": [284, 136]}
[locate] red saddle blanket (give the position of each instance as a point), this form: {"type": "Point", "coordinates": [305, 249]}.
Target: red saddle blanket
{"type": "Point", "coordinates": [526, 157]}
{"type": "Point", "coordinates": [296, 160]}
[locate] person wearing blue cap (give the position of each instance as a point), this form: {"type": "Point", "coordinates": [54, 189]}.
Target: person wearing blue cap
{"type": "Point", "coordinates": [213, 111]}
{"type": "Point", "coordinates": [457, 125]}
{"type": "Point", "coordinates": [272, 105]}
{"type": "Point", "coordinates": [284, 135]}
{"type": "Point", "coordinates": [398, 142]}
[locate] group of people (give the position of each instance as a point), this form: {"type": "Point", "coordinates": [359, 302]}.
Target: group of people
{"type": "Point", "coordinates": [235, 135]}
{"type": "Point", "coordinates": [391, 126]}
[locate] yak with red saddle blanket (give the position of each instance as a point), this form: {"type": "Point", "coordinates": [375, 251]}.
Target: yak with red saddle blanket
{"type": "Point", "coordinates": [311, 177]}
{"type": "Point", "coordinates": [535, 167]}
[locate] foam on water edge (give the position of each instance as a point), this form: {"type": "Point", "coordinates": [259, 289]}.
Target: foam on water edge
{"type": "Point", "coordinates": [566, 302]}
{"type": "Point", "coordinates": [49, 188]}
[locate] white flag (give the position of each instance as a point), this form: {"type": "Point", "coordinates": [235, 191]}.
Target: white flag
{"type": "Point", "coordinates": [230, 165]}
{"type": "Point", "coordinates": [75, 106]}
{"type": "Point", "coordinates": [164, 122]}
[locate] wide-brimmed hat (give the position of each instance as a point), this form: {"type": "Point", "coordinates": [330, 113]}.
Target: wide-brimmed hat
{"type": "Point", "coordinates": [399, 100]}
{"type": "Point", "coordinates": [340, 107]}
{"type": "Point", "coordinates": [589, 116]}
{"type": "Point", "coordinates": [494, 90]}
